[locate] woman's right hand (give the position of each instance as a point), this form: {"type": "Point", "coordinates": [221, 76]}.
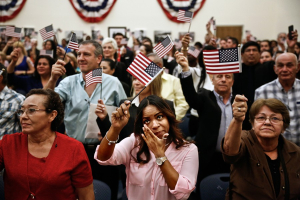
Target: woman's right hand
{"type": "Point", "coordinates": [239, 108]}
{"type": "Point", "coordinates": [101, 110]}
{"type": "Point", "coordinates": [120, 117]}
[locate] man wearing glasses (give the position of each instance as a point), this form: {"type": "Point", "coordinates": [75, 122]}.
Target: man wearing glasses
{"type": "Point", "coordinates": [10, 102]}
{"type": "Point", "coordinates": [285, 88]}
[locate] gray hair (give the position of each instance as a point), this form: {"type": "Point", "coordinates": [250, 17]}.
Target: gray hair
{"type": "Point", "coordinates": [156, 58]}
{"type": "Point", "coordinates": [112, 41]}
{"type": "Point", "coordinates": [98, 48]}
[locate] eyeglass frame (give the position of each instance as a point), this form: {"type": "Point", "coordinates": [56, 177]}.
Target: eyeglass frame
{"type": "Point", "coordinates": [269, 118]}
{"type": "Point", "coordinates": [26, 111]}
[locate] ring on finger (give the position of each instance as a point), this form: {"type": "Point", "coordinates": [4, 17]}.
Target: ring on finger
{"type": "Point", "coordinates": [239, 109]}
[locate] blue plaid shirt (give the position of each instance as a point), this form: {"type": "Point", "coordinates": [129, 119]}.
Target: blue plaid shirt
{"type": "Point", "coordinates": [10, 102]}
{"type": "Point", "coordinates": [291, 99]}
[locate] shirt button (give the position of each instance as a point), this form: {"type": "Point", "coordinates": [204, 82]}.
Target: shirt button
{"type": "Point", "coordinates": [32, 196]}
{"type": "Point", "coordinates": [281, 171]}
{"type": "Point", "coordinates": [258, 164]}
{"type": "Point", "coordinates": [283, 187]}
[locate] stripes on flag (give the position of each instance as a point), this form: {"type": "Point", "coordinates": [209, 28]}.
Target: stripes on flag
{"type": "Point", "coordinates": [164, 47]}
{"type": "Point", "coordinates": [185, 16]}
{"type": "Point", "coordinates": [73, 44]}
{"type": "Point", "coordinates": [13, 31]}
{"type": "Point", "coordinates": [94, 76]}
{"type": "Point", "coordinates": [124, 41]}
{"type": "Point", "coordinates": [222, 61]}
{"type": "Point", "coordinates": [143, 69]}
{"type": "Point", "coordinates": [47, 32]}
{"type": "Point", "coordinates": [193, 51]}
{"type": "Point", "coordinates": [44, 52]}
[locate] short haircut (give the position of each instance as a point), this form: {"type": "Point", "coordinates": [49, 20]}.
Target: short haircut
{"type": "Point", "coordinates": [148, 48]}
{"type": "Point", "coordinates": [112, 41]}
{"type": "Point", "coordinates": [4, 74]}
{"type": "Point", "coordinates": [250, 43]}
{"type": "Point", "coordinates": [270, 52]}
{"type": "Point", "coordinates": [118, 34]}
{"type": "Point", "coordinates": [111, 63]}
{"type": "Point", "coordinates": [234, 40]}
{"type": "Point", "coordinates": [198, 44]}
{"type": "Point", "coordinates": [266, 41]}
{"type": "Point", "coordinates": [273, 104]}
{"type": "Point", "coordinates": [294, 56]}
{"type": "Point", "coordinates": [156, 58]}
{"type": "Point", "coordinates": [53, 102]}
{"type": "Point", "coordinates": [98, 48]}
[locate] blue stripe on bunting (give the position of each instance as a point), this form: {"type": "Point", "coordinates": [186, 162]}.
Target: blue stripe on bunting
{"type": "Point", "coordinates": [192, 5]}
{"type": "Point", "coordinates": [92, 9]}
{"type": "Point", "coordinates": [8, 6]}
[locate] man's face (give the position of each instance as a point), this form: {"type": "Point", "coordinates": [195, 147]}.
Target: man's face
{"type": "Point", "coordinates": [118, 39]}
{"type": "Point", "coordinates": [222, 83]}
{"type": "Point", "coordinates": [251, 56]}
{"type": "Point", "coordinates": [264, 46]}
{"type": "Point", "coordinates": [223, 44]}
{"type": "Point", "coordinates": [285, 67]}
{"type": "Point", "coordinates": [86, 58]}
{"type": "Point", "coordinates": [281, 38]}
{"type": "Point", "coordinates": [230, 44]}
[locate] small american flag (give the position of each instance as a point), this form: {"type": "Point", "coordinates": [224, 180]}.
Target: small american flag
{"type": "Point", "coordinates": [46, 53]}
{"type": "Point", "coordinates": [143, 69]}
{"type": "Point", "coordinates": [194, 51]}
{"type": "Point", "coordinates": [164, 47]}
{"type": "Point", "coordinates": [47, 32]}
{"type": "Point", "coordinates": [185, 16]}
{"type": "Point", "coordinates": [73, 44]}
{"type": "Point", "coordinates": [94, 76]}
{"type": "Point", "coordinates": [13, 31]}
{"type": "Point", "coordinates": [222, 61]}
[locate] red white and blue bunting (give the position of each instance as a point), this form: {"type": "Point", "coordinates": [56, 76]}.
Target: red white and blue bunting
{"type": "Point", "coordinates": [93, 10]}
{"type": "Point", "coordinates": [10, 8]}
{"type": "Point", "coordinates": [171, 7]}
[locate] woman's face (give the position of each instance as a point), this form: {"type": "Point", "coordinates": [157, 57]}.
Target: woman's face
{"type": "Point", "coordinates": [267, 130]}
{"type": "Point", "coordinates": [138, 86]}
{"type": "Point", "coordinates": [156, 121]}
{"type": "Point", "coordinates": [143, 49]}
{"type": "Point", "coordinates": [18, 49]}
{"type": "Point", "coordinates": [297, 49]}
{"type": "Point", "coordinates": [35, 121]}
{"type": "Point", "coordinates": [265, 56]}
{"type": "Point", "coordinates": [106, 68]}
{"type": "Point", "coordinates": [48, 45]}
{"type": "Point", "coordinates": [43, 67]}
{"type": "Point", "coordinates": [108, 50]}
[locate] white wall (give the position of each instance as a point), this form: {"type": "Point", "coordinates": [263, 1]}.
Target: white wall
{"type": "Point", "coordinates": [265, 18]}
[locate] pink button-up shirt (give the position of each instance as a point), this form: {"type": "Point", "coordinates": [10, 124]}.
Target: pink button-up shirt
{"type": "Point", "coordinates": [147, 181]}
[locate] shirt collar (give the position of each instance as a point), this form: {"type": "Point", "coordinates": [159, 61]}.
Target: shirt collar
{"type": "Point", "coordinates": [136, 101]}
{"type": "Point", "coordinates": [221, 98]}
{"type": "Point", "coordinates": [280, 86]}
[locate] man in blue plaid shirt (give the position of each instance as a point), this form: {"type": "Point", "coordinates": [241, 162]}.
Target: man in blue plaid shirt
{"type": "Point", "coordinates": [285, 88]}
{"type": "Point", "coordinates": [10, 102]}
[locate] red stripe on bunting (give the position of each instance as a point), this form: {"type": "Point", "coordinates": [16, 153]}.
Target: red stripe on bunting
{"type": "Point", "coordinates": [15, 13]}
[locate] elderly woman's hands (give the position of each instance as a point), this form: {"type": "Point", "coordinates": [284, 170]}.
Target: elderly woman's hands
{"type": "Point", "coordinates": [156, 146]}
{"type": "Point", "coordinates": [120, 117]}
{"type": "Point", "coordinates": [239, 107]}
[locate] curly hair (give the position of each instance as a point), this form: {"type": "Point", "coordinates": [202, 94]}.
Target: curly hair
{"type": "Point", "coordinates": [174, 131]}
{"type": "Point", "coordinates": [53, 102]}
{"type": "Point", "coordinates": [50, 60]}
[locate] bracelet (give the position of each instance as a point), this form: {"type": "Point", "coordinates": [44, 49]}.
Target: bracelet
{"type": "Point", "coordinates": [182, 49]}
{"type": "Point", "coordinates": [111, 142]}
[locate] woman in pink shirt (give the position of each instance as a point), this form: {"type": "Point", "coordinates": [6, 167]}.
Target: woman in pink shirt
{"type": "Point", "coordinates": [160, 164]}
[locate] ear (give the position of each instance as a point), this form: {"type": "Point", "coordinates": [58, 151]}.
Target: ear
{"type": "Point", "coordinates": [99, 59]}
{"type": "Point", "coordinates": [52, 116]}
{"type": "Point", "coordinates": [274, 68]}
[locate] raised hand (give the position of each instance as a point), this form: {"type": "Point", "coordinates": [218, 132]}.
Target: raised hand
{"type": "Point", "coordinates": [15, 55]}
{"type": "Point", "coordinates": [58, 69]}
{"type": "Point", "coordinates": [101, 110]}
{"type": "Point", "coordinates": [156, 146]}
{"type": "Point", "coordinates": [186, 41]}
{"type": "Point", "coordinates": [182, 61]}
{"type": "Point", "coordinates": [239, 107]}
{"type": "Point", "coordinates": [120, 117]}
{"type": "Point", "coordinates": [291, 43]}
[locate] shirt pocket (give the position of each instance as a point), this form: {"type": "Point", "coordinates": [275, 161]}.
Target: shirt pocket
{"type": "Point", "coordinates": [177, 167]}
{"type": "Point", "coordinates": [137, 173]}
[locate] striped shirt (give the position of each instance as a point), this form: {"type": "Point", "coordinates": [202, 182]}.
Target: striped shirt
{"type": "Point", "coordinates": [10, 102]}
{"type": "Point", "coordinates": [291, 99]}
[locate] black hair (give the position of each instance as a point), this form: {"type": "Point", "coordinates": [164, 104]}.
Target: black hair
{"type": "Point", "coordinates": [53, 47]}
{"type": "Point", "coordinates": [50, 60]}
{"type": "Point", "coordinates": [111, 63]}
{"type": "Point", "coordinates": [198, 44]}
{"type": "Point", "coordinates": [116, 34]}
{"type": "Point", "coordinates": [53, 102]}
{"type": "Point", "coordinates": [234, 40]}
{"type": "Point", "coordinates": [250, 43]}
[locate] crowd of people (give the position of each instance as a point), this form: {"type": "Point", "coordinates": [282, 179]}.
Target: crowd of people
{"type": "Point", "coordinates": [183, 127]}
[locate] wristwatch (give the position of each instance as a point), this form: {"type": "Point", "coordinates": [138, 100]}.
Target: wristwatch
{"type": "Point", "coordinates": [161, 160]}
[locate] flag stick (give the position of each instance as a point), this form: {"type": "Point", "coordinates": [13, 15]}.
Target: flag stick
{"type": "Point", "coordinates": [101, 90]}
{"type": "Point", "coordinates": [138, 94]}
{"type": "Point", "coordinates": [55, 40]}
{"type": "Point", "coordinates": [190, 26]}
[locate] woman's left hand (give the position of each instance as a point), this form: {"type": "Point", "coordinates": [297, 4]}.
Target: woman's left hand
{"type": "Point", "coordinates": [156, 145]}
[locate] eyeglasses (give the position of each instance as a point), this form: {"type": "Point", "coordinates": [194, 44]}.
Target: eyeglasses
{"type": "Point", "coordinates": [273, 120]}
{"type": "Point", "coordinates": [29, 111]}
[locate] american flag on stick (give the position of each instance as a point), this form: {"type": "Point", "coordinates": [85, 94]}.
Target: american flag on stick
{"type": "Point", "coordinates": [73, 44]}
{"type": "Point", "coordinates": [47, 32]}
{"type": "Point", "coordinates": [124, 41]}
{"type": "Point", "coordinates": [94, 76]}
{"type": "Point", "coordinates": [193, 51]}
{"type": "Point", "coordinates": [46, 53]}
{"type": "Point", "coordinates": [222, 61]}
{"type": "Point", "coordinates": [13, 31]}
{"type": "Point", "coordinates": [164, 47]}
{"type": "Point", "coordinates": [143, 69]}
{"type": "Point", "coordinates": [185, 16]}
